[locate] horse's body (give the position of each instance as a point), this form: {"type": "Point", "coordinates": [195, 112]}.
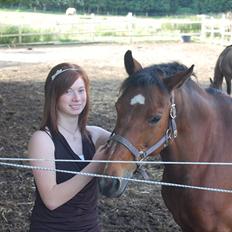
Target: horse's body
{"type": "Point", "coordinates": [204, 125]}
{"type": "Point", "coordinates": [223, 68]}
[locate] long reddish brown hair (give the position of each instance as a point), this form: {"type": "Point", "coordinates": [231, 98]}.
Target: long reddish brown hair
{"type": "Point", "coordinates": [55, 87]}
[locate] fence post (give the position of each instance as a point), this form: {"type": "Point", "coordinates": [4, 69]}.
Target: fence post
{"type": "Point", "coordinates": [211, 29]}
{"type": "Point", "coordinates": [222, 28]}
{"type": "Point", "coordinates": [203, 28]}
{"type": "Point", "coordinates": [20, 33]}
{"type": "Point", "coordinates": [230, 30]}
{"type": "Point", "coordinates": [93, 29]}
{"type": "Point", "coordinates": [130, 25]}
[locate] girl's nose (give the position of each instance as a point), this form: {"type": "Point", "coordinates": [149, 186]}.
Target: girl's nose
{"type": "Point", "coordinates": [76, 95]}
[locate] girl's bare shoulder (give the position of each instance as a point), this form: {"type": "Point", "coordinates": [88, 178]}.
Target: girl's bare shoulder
{"type": "Point", "coordinates": [40, 143]}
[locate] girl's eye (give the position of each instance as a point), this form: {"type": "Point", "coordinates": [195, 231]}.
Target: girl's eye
{"type": "Point", "coordinates": [153, 120]}
{"type": "Point", "coordinates": [81, 90]}
{"type": "Point", "coordinates": [69, 91]}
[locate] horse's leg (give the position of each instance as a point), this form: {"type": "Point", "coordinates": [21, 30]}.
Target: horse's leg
{"type": "Point", "coordinates": [228, 83]}
{"type": "Point", "coordinates": [218, 75]}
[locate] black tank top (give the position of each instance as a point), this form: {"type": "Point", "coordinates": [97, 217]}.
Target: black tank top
{"type": "Point", "coordinates": [78, 214]}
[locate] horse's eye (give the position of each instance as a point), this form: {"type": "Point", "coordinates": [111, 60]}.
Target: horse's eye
{"type": "Point", "coordinates": [154, 119]}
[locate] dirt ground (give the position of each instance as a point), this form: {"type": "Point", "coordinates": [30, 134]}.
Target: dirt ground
{"type": "Point", "coordinates": [23, 71]}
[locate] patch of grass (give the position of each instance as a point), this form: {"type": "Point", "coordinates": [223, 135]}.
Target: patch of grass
{"type": "Point", "coordinates": [183, 28]}
{"type": "Point", "coordinates": [12, 34]}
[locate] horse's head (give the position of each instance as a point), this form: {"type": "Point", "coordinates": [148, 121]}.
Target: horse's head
{"type": "Point", "coordinates": [145, 118]}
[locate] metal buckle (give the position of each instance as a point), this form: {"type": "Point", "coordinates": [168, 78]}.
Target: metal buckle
{"type": "Point", "coordinates": [142, 155]}
{"type": "Point", "coordinates": [168, 136]}
{"type": "Point", "coordinates": [174, 133]}
{"type": "Point", "coordinates": [173, 111]}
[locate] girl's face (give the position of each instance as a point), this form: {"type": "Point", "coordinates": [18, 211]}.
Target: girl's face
{"type": "Point", "coordinates": [73, 101]}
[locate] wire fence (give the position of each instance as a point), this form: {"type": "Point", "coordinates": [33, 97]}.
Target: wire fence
{"type": "Point", "coordinates": [152, 182]}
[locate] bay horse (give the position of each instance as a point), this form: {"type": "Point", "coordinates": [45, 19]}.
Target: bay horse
{"type": "Point", "coordinates": [161, 110]}
{"type": "Point", "coordinates": [223, 68]}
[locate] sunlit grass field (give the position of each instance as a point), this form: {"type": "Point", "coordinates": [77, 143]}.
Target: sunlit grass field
{"type": "Point", "coordinates": [46, 27]}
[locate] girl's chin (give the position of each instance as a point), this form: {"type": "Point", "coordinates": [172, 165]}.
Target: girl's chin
{"type": "Point", "coordinates": [76, 113]}
{"type": "Point", "coordinates": [72, 112]}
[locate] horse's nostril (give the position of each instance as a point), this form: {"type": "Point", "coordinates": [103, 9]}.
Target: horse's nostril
{"type": "Point", "coordinates": [109, 186]}
{"type": "Point", "coordinates": [117, 184]}
{"type": "Point", "coordinates": [113, 184]}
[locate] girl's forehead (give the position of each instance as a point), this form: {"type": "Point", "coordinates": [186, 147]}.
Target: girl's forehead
{"type": "Point", "coordinates": [78, 83]}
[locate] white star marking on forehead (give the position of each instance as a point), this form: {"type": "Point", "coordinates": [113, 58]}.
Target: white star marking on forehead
{"type": "Point", "coordinates": [138, 99]}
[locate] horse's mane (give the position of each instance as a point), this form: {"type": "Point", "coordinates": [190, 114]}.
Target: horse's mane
{"type": "Point", "coordinates": [229, 46]}
{"type": "Point", "coordinates": [152, 75]}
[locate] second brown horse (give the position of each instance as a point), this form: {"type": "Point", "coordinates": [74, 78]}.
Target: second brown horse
{"type": "Point", "coordinates": [223, 68]}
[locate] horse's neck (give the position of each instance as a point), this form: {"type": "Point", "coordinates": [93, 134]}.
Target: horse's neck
{"type": "Point", "coordinates": [192, 123]}
{"type": "Point", "coordinates": [191, 101]}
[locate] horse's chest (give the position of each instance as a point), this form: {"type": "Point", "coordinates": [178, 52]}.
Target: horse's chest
{"type": "Point", "coordinates": [197, 210]}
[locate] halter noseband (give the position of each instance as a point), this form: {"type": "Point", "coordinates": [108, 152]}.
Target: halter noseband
{"type": "Point", "coordinates": [170, 134]}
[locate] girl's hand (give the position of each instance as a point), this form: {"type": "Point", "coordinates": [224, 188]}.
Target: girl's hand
{"type": "Point", "coordinates": [101, 154]}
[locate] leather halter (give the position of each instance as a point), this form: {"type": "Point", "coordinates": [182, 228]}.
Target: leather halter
{"type": "Point", "coordinates": [170, 134]}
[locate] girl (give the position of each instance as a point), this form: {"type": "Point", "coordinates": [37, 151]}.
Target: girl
{"type": "Point", "coordinates": [66, 202]}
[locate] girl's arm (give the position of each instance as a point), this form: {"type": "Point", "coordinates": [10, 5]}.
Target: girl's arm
{"type": "Point", "coordinates": [99, 135]}
{"type": "Point", "coordinates": [54, 195]}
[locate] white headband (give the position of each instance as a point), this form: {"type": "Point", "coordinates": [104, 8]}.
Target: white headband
{"type": "Point", "coordinates": [59, 71]}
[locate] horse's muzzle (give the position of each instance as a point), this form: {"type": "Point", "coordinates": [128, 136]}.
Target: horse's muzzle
{"type": "Point", "coordinates": [112, 187]}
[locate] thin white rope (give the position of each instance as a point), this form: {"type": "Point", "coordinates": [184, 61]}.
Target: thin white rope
{"type": "Point", "coordinates": [116, 177]}
{"type": "Point", "coordinates": [119, 161]}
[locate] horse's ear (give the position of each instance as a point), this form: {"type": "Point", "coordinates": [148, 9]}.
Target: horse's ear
{"type": "Point", "coordinates": [211, 81]}
{"type": "Point", "coordinates": [178, 79]}
{"type": "Point", "coordinates": [131, 64]}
